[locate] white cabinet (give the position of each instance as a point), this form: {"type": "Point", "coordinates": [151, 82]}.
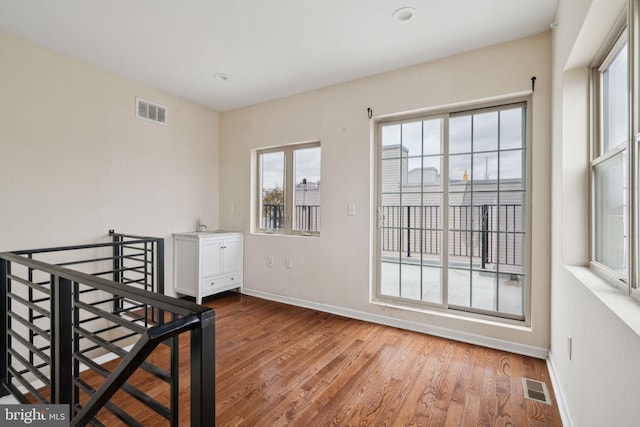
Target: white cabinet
{"type": "Point", "coordinates": [205, 263]}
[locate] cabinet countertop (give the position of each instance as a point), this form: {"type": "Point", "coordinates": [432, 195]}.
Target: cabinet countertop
{"type": "Point", "coordinates": [205, 234]}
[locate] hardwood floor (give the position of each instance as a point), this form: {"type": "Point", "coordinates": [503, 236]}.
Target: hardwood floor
{"type": "Point", "coordinates": [280, 365]}
{"type": "Point", "coordinates": [283, 365]}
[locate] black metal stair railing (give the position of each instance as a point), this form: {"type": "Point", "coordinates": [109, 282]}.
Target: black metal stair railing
{"type": "Point", "coordinates": [109, 350]}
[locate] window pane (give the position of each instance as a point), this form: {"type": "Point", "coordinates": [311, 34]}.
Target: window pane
{"type": "Point", "coordinates": [306, 164]}
{"type": "Point", "coordinates": [411, 283]}
{"type": "Point", "coordinates": [615, 102]}
{"type": "Point", "coordinates": [512, 169]}
{"type": "Point", "coordinates": [511, 129]}
{"type": "Point", "coordinates": [461, 243]}
{"type": "Point", "coordinates": [485, 171]}
{"type": "Point", "coordinates": [390, 278]}
{"type": "Point", "coordinates": [610, 178]}
{"type": "Point", "coordinates": [432, 284]}
{"type": "Point", "coordinates": [510, 212]}
{"type": "Point", "coordinates": [272, 182]}
{"type": "Point", "coordinates": [511, 256]}
{"type": "Point", "coordinates": [432, 143]}
{"type": "Point", "coordinates": [392, 174]}
{"type": "Point", "coordinates": [390, 135]}
{"type": "Point", "coordinates": [459, 171]}
{"type": "Point", "coordinates": [511, 293]}
{"type": "Point", "coordinates": [460, 287]}
{"type": "Point", "coordinates": [483, 291]}
{"type": "Point", "coordinates": [485, 131]}
{"type": "Point", "coordinates": [412, 139]}
{"type": "Point", "coordinates": [413, 184]}
{"type": "Point", "coordinates": [431, 173]}
{"type": "Point", "coordinates": [460, 134]}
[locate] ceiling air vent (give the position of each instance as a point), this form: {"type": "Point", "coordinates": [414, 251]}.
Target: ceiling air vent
{"type": "Point", "coordinates": [149, 111]}
{"type": "Point", "coordinates": [536, 390]}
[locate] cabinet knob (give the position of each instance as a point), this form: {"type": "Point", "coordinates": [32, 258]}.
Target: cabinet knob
{"type": "Point", "coordinates": [213, 283]}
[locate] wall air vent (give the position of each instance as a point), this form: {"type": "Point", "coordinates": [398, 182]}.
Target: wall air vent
{"type": "Point", "coordinates": [536, 390]}
{"type": "Point", "coordinates": [149, 111]}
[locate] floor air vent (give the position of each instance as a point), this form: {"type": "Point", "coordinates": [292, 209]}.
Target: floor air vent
{"type": "Point", "coordinates": [149, 111]}
{"type": "Point", "coordinates": [536, 390]}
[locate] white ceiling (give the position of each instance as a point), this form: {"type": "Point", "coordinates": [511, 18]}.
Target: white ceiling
{"type": "Point", "coordinates": [269, 48]}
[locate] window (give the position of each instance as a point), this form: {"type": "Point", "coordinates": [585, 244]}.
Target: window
{"type": "Point", "coordinates": [289, 189]}
{"type": "Point", "coordinates": [452, 208]}
{"type": "Point", "coordinates": [611, 184]}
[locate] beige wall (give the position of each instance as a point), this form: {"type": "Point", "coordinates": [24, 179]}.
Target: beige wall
{"type": "Point", "coordinates": [333, 272]}
{"type": "Point", "coordinates": [599, 319]}
{"type": "Point", "coordinates": [76, 162]}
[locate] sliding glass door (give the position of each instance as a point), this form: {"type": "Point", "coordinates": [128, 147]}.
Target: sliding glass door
{"type": "Point", "coordinates": [451, 209]}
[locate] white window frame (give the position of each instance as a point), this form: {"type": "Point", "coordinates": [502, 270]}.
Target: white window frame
{"type": "Point", "coordinates": [289, 189]}
{"type": "Point", "coordinates": [622, 33]}
{"type": "Point", "coordinates": [446, 112]}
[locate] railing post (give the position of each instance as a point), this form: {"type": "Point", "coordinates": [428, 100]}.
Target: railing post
{"type": "Point", "coordinates": [159, 271]}
{"type": "Point", "coordinates": [117, 267]}
{"type": "Point", "coordinates": [174, 345]}
{"type": "Point", "coordinates": [408, 231]}
{"type": "Point", "coordinates": [61, 340]}
{"type": "Point", "coordinates": [160, 266]}
{"type": "Point", "coordinates": [4, 329]}
{"type": "Point", "coordinates": [485, 236]}
{"type": "Point", "coordinates": [203, 371]}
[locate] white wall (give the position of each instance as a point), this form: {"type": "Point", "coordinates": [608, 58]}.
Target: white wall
{"type": "Point", "coordinates": [75, 161]}
{"type": "Point", "coordinates": [601, 382]}
{"type": "Point", "coordinates": [333, 271]}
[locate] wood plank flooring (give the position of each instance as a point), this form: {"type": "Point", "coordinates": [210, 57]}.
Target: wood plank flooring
{"type": "Point", "coordinates": [280, 365]}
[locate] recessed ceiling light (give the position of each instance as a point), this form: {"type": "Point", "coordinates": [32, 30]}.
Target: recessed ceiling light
{"type": "Point", "coordinates": [404, 14]}
{"type": "Point", "coordinates": [221, 77]}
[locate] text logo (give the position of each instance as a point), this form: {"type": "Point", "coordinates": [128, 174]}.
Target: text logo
{"type": "Point", "coordinates": [34, 415]}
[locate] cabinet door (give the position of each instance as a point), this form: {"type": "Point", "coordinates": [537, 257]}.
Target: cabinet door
{"type": "Point", "coordinates": [211, 257]}
{"type": "Point", "coordinates": [232, 255]}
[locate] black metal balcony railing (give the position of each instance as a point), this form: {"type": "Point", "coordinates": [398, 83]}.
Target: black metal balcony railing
{"type": "Point", "coordinates": [56, 325]}
{"type": "Point", "coordinates": [272, 217]}
{"type": "Point", "coordinates": [490, 233]}
{"type": "Point", "coordinates": [306, 217]}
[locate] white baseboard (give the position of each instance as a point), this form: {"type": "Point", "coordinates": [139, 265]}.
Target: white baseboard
{"type": "Point", "coordinates": [557, 389]}
{"type": "Point", "coordinates": [498, 344]}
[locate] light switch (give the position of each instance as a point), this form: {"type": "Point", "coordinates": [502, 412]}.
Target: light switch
{"type": "Point", "coordinates": [351, 209]}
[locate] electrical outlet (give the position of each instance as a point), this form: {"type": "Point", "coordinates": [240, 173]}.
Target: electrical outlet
{"type": "Point", "coordinates": [270, 261]}
{"type": "Point", "coordinates": [288, 263]}
{"type": "Point", "coordinates": [569, 346]}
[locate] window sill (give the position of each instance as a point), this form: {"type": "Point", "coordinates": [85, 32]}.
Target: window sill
{"type": "Point", "coordinates": [487, 320]}
{"type": "Point", "coordinates": [280, 234]}
{"type": "Point", "coordinates": [625, 307]}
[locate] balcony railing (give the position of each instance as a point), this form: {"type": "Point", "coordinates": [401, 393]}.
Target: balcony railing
{"type": "Point", "coordinates": [105, 348]}
{"type": "Point", "coordinates": [306, 217]}
{"type": "Point", "coordinates": [491, 234]}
